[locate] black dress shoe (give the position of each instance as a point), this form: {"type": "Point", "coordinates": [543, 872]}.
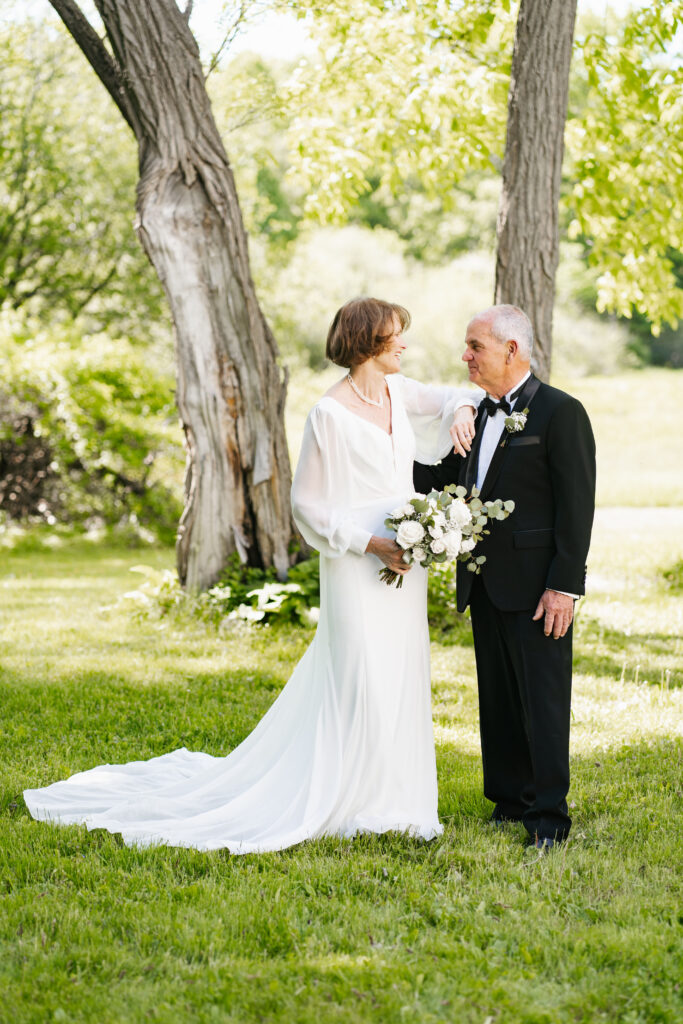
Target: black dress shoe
{"type": "Point", "coordinates": [543, 845]}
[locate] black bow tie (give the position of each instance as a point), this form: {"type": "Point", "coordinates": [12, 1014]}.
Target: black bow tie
{"type": "Point", "coordinates": [493, 407]}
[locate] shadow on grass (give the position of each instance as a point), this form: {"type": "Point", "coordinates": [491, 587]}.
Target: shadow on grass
{"type": "Point", "coordinates": [601, 651]}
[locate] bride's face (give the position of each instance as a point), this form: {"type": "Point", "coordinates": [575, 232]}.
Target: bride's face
{"type": "Point", "coordinates": [389, 361]}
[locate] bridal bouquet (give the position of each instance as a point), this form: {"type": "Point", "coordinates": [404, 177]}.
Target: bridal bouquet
{"type": "Point", "coordinates": [442, 526]}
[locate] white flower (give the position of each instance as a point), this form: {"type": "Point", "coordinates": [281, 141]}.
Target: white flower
{"type": "Point", "coordinates": [409, 533]}
{"type": "Point", "coordinates": [419, 554]}
{"type": "Point", "coordinates": [246, 612]}
{"type": "Point", "coordinates": [452, 541]}
{"type": "Point", "coordinates": [313, 615]}
{"type": "Point", "coordinates": [408, 510]}
{"type": "Point", "coordinates": [467, 544]}
{"type": "Point", "coordinates": [271, 595]}
{"type": "Point", "coordinates": [439, 518]}
{"type": "Point", "coordinates": [459, 513]}
{"type": "Point", "coordinates": [399, 513]}
{"type": "Point", "coordinates": [436, 532]}
{"type": "Point", "coordinates": [516, 421]}
{"type": "Point", "coordinates": [437, 546]}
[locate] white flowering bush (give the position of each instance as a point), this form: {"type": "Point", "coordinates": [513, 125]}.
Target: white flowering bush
{"type": "Point", "coordinates": [244, 594]}
{"type": "Point", "coordinates": [442, 526]}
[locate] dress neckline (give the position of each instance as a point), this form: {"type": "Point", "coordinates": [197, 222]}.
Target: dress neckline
{"type": "Point", "coordinates": [387, 433]}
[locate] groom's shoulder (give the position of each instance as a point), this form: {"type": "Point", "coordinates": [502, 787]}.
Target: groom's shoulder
{"type": "Point", "coordinates": [554, 398]}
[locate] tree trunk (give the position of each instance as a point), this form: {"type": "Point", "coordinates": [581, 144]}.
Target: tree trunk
{"type": "Point", "coordinates": [528, 232]}
{"type": "Point", "coordinates": [231, 392]}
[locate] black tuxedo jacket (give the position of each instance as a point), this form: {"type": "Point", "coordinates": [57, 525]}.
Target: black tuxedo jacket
{"type": "Point", "coordinates": [548, 470]}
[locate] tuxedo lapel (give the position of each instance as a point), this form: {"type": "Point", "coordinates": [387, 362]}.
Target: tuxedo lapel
{"type": "Point", "coordinates": [524, 398]}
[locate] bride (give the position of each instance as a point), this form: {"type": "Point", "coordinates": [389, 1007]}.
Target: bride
{"type": "Point", "coordinates": [348, 745]}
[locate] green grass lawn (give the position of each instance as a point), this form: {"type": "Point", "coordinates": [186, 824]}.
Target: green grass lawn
{"type": "Point", "coordinates": [469, 928]}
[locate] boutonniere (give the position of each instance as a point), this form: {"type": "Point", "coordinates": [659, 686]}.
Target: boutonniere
{"type": "Point", "coordinates": [516, 421]}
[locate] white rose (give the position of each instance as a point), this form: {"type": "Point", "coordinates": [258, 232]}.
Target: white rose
{"type": "Point", "coordinates": [468, 544]}
{"type": "Point", "coordinates": [437, 547]}
{"type": "Point", "coordinates": [439, 518]}
{"type": "Point", "coordinates": [419, 554]}
{"type": "Point", "coordinates": [436, 532]}
{"type": "Point", "coordinates": [407, 510]}
{"type": "Point", "coordinates": [459, 514]}
{"type": "Point", "coordinates": [452, 541]}
{"type": "Point", "coordinates": [409, 533]}
{"type": "Point", "coordinates": [398, 513]}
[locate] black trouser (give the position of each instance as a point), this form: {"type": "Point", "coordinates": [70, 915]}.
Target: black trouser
{"type": "Point", "coordinates": [524, 708]}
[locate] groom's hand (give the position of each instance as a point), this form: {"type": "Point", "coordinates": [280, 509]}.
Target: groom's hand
{"type": "Point", "coordinates": [558, 610]}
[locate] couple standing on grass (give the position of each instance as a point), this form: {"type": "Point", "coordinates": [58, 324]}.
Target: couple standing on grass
{"type": "Point", "coordinates": [348, 745]}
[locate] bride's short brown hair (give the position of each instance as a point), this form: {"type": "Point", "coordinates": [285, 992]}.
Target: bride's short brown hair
{"type": "Point", "coordinates": [361, 329]}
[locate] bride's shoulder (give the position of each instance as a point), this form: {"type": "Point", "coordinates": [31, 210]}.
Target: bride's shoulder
{"type": "Point", "coordinates": [328, 404]}
{"type": "Point", "coordinates": [337, 391]}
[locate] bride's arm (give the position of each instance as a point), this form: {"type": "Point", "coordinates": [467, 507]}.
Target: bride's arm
{"type": "Point", "coordinates": [321, 491]}
{"type": "Point", "coordinates": [442, 418]}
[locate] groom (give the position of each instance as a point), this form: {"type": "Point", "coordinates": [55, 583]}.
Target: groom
{"type": "Point", "coordinates": [522, 603]}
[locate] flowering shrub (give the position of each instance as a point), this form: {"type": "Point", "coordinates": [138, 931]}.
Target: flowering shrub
{"type": "Point", "coordinates": [243, 594]}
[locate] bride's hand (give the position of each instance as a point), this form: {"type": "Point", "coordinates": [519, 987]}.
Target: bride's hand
{"type": "Point", "coordinates": [462, 429]}
{"type": "Point", "coordinates": [388, 552]}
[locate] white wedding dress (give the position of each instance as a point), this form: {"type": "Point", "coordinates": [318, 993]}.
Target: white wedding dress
{"type": "Point", "coordinates": [348, 745]}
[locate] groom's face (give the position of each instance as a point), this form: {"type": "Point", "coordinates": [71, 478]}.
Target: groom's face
{"type": "Point", "coordinates": [484, 356]}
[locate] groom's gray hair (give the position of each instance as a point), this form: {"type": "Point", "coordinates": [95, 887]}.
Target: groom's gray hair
{"type": "Point", "coordinates": [509, 323]}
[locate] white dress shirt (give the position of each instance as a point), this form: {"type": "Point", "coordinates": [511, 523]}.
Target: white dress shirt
{"type": "Point", "coordinates": [493, 430]}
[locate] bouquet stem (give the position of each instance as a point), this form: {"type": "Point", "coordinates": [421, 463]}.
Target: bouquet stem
{"type": "Point", "coordinates": [390, 577]}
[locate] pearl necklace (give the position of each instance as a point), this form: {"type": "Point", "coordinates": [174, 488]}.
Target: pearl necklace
{"type": "Point", "coordinates": [364, 398]}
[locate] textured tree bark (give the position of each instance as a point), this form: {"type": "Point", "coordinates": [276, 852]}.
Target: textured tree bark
{"type": "Point", "coordinates": [231, 392]}
{"type": "Point", "coordinates": [528, 232]}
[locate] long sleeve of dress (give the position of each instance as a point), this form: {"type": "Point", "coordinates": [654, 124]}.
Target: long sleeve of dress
{"type": "Point", "coordinates": [321, 489]}
{"type": "Point", "coordinates": [430, 411]}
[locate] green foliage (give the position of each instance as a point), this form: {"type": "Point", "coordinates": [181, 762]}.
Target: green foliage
{"type": "Point", "coordinates": [257, 596]}
{"type": "Point", "coordinates": [412, 98]}
{"type": "Point", "coordinates": [68, 171]}
{"type": "Point", "coordinates": [663, 347]}
{"type": "Point", "coordinates": [435, 228]}
{"type": "Point", "coordinates": [624, 142]}
{"type": "Point", "coordinates": [378, 98]}
{"type": "Point", "coordinates": [243, 594]}
{"type": "Point", "coordinates": [674, 576]}
{"type": "Point", "coordinates": [446, 624]}
{"type": "Point", "coordinates": [251, 116]}
{"type": "Point", "coordinates": [106, 417]}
